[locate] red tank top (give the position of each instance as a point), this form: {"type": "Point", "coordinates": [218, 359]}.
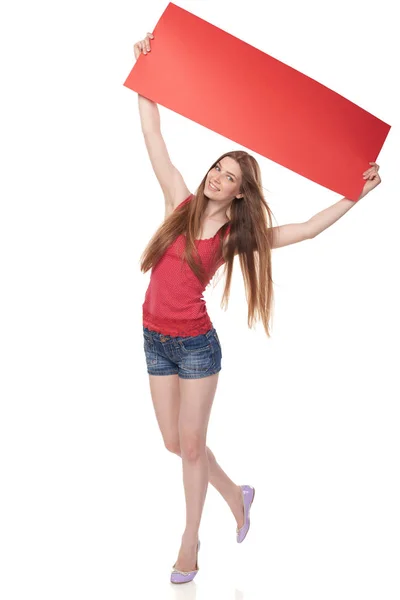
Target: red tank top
{"type": "Point", "coordinates": [173, 303]}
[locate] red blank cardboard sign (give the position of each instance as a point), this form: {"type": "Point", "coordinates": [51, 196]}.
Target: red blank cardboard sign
{"type": "Point", "coordinates": [215, 79]}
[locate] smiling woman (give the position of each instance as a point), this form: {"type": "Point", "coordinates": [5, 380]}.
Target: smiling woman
{"type": "Point", "coordinates": [226, 216]}
{"type": "Point", "coordinates": [222, 185]}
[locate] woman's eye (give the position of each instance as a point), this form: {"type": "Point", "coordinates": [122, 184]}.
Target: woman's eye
{"type": "Point", "coordinates": [217, 167]}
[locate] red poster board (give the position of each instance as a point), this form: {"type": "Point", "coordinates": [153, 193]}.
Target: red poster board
{"type": "Point", "coordinates": [210, 76]}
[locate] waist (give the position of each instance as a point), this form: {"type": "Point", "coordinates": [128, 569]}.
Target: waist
{"type": "Point", "coordinates": [165, 337]}
{"type": "Point", "coordinates": [176, 327]}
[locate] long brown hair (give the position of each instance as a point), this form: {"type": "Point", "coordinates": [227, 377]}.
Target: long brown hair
{"type": "Point", "coordinates": [249, 238]}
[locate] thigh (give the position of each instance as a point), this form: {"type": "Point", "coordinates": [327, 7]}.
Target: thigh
{"type": "Point", "coordinates": [165, 397]}
{"type": "Point", "coordinates": [196, 399]}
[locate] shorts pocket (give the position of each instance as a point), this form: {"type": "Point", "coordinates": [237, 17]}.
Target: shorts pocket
{"type": "Point", "coordinates": [148, 345]}
{"type": "Point", "coordinates": [217, 338]}
{"type": "Point", "coordinates": [196, 343]}
{"type": "Point", "coordinates": [147, 340]}
{"type": "Point", "coordinates": [198, 360]}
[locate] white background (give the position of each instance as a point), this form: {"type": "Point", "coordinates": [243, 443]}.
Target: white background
{"type": "Point", "coordinates": [92, 504]}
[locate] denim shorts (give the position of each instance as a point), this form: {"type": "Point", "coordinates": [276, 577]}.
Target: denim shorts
{"type": "Point", "coordinates": [190, 357]}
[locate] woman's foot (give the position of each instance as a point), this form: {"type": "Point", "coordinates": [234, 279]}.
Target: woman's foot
{"type": "Point", "coordinates": [187, 556]}
{"type": "Point", "coordinates": [248, 492]}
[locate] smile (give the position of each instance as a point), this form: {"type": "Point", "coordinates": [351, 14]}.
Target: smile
{"type": "Point", "coordinates": [213, 187]}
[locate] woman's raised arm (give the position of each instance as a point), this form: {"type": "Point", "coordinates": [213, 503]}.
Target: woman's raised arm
{"type": "Point", "coordinates": [171, 181]}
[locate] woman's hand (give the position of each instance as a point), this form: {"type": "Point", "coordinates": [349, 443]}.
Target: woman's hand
{"type": "Point", "coordinates": [143, 45]}
{"type": "Point", "coordinates": [372, 177]}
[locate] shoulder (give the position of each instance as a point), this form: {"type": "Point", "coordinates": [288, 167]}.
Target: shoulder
{"type": "Point", "coordinates": [171, 207]}
{"type": "Point", "coordinates": [185, 201]}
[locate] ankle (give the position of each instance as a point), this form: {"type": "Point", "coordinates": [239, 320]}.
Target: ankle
{"type": "Point", "coordinates": [237, 494]}
{"type": "Point", "coordinates": [190, 538]}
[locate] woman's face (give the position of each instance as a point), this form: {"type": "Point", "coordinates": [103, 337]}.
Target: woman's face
{"type": "Point", "coordinates": [226, 176]}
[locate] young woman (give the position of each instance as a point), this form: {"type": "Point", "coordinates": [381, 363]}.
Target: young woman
{"type": "Point", "coordinates": [227, 216]}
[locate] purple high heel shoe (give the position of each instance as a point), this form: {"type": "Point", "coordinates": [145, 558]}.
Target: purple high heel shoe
{"type": "Point", "coordinates": [185, 576]}
{"type": "Point", "coordinates": [248, 493]}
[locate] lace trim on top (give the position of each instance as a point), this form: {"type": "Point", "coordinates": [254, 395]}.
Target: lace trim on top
{"type": "Point", "coordinates": [185, 327]}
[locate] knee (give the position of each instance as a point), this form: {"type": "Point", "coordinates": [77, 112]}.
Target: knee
{"type": "Point", "coordinates": [173, 445]}
{"type": "Point", "coordinates": [192, 447]}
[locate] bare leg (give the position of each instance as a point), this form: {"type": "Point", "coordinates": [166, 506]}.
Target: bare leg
{"type": "Point", "coordinates": [166, 393]}
{"type": "Point", "coordinates": [199, 465]}
{"type": "Point", "coordinates": [231, 492]}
